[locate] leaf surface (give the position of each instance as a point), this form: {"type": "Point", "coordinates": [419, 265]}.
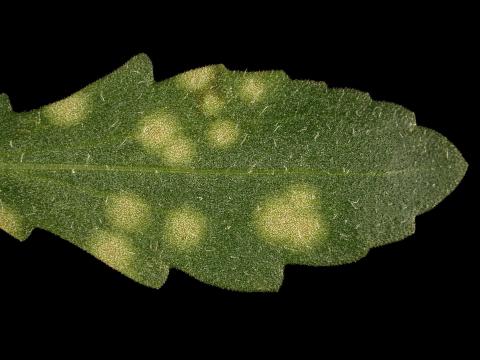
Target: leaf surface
{"type": "Point", "coordinates": [226, 175]}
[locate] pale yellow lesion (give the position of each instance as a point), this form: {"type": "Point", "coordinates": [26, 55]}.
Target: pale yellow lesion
{"type": "Point", "coordinates": [223, 133]}
{"type": "Point", "coordinates": [180, 152]}
{"type": "Point", "coordinates": [127, 211]}
{"type": "Point", "coordinates": [69, 111]}
{"type": "Point", "coordinates": [157, 131]}
{"type": "Point", "coordinates": [197, 79]}
{"type": "Point", "coordinates": [252, 89]}
{"type": "Point", "coordinates": [161, 134]}
{"type": "Point", "coordinates": [301, 196]}
{"type": "Point", "coordinates": [185, 227]}
{"type": "Point", "coordinates": [11, 222]}
{"type": "Point", "coordinates": [291, 219]}
{"type": "Point", "coordinates": [212, 104]}
{"type": "Point", "coordinates": [114, 249]}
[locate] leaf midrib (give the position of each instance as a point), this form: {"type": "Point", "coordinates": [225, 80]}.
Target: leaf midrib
{"type": "Point", "coordinates": [76, 168]}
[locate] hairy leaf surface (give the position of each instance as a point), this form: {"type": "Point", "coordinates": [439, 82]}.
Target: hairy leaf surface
{"type": "Point", "coordinates": [226, 175]}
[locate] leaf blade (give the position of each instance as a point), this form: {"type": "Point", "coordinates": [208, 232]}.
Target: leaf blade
{"type": "Point", "coordinates": [227, 176]}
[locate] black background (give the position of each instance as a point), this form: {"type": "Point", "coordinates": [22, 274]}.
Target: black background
{"type": "Point", "coordinates": [421, 61]}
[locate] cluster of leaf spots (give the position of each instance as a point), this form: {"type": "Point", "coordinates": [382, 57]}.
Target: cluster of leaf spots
{"type": "Point", "coordinates": [226, 175]}
{"type": "Point", "coordinates": [161, 135]}
{"type": "Point", "coordinates": [290, 219]}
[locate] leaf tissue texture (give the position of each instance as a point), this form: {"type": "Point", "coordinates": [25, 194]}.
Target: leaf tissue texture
{"type": "Point", "coordinates": [225, 175]}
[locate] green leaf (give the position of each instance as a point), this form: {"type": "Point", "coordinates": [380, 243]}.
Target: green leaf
{"type": "Point", "coordinates": [226, 175]}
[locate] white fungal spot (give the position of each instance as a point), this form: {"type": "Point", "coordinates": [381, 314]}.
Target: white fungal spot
{"type": "Point", "coordinates": [11, 222]}
{"type": "Point", "coordinates": [291, 219]}
{"type": "Point", "coordinates": [212, 104]}
{"type": "Point", "coordinates": [68, 112]}
{"type": "Point", "coordinates": [222, 133]}
{"type": "Point", "coordinates": [185, 227]}
{"type": "Point", "coordinates": [198, 79]}
{"type": "Point", "coordinates": [252, 89]}
{"type": "Point", "coordinates": [113, 249]}
{"type": "Point", "coordinates": [127, 211]}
